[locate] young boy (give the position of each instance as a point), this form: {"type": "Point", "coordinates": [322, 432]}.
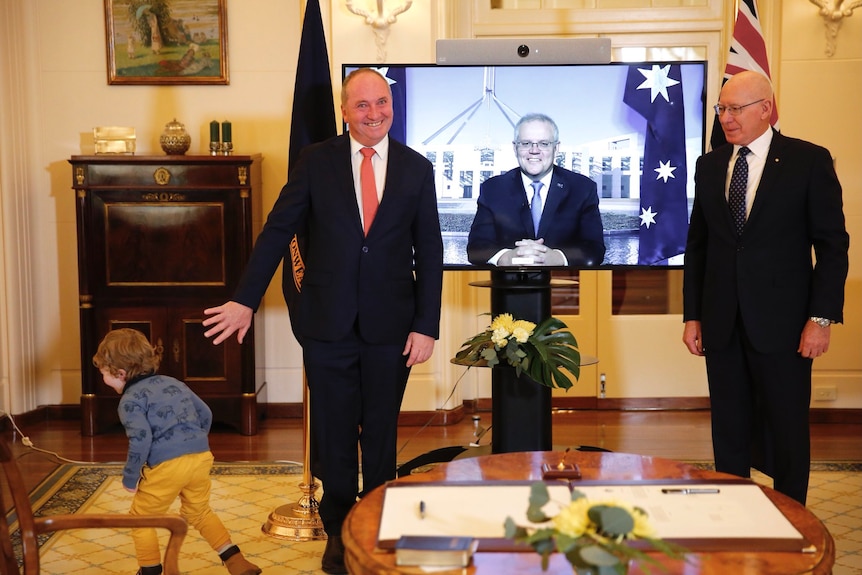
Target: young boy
{"type": "Point", "coordinates": [169, 455]}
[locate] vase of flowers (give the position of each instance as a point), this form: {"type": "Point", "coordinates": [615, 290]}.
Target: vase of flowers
{"type": "Point", "coordinates": [528, 360]}
{"type": "Point", "coordinates": [594, 536]}
{"type": "Point", "coordinates": [546, 352]}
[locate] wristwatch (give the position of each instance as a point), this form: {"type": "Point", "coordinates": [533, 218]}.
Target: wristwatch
{"type": "Point", "coordinates": [821, 321]}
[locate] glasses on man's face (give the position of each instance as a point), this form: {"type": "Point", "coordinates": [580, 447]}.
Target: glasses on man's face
{"type": "Point", "coordinates": [528, 145]}
{"type": "Point", "coordinates": [733, 110]}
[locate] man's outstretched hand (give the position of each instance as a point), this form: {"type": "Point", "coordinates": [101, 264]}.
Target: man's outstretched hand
{"type": "Point", "coordinates": [226, 319]}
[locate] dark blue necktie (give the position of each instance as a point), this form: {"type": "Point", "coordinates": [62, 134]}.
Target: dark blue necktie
{"type": "Point", "coordinates": [736, 193]}
{"type": "Point", "coordinates": [536, 206]}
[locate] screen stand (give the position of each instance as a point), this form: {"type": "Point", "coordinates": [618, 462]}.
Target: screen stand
{"type": "Point", "coordinates": [520, 407]}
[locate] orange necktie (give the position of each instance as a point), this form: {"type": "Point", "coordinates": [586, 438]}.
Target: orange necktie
{"type": "Point", "coordinates": [369, 188]}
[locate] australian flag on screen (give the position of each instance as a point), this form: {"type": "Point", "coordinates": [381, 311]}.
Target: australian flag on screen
{"type": "Point", "coordinates": [655, 92]}
{"type": "Point", "coordinates": [397, 79]}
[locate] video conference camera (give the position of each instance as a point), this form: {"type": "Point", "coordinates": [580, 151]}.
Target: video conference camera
{"type": "Point", "coordinates": [523, 51]}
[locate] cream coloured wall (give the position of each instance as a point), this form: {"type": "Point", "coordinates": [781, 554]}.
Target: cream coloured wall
{"type": "Point", "coordinates": [66, 95]}
{"type": "Point", "coordinates": [819, 100]}
{"type": "Point", "coordinates": [53, 91]}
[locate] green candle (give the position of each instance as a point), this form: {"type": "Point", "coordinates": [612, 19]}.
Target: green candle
{"type": "Point", "coordinates": [214, 131]}
{"type": "Point", "coordinates": [225, 132]}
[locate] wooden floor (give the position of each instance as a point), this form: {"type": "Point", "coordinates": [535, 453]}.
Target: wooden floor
{"type": "Point", "coordinates": [683, 435]}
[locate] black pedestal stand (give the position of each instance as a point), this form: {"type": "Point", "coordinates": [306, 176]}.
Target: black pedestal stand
{"type": "Point", "coordinates": [520, 407]}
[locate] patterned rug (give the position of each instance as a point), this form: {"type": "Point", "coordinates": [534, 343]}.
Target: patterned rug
{"type": "Point", "coordinates": [833, 496]}
{"type": "Point", "coordinates": [244, 495]}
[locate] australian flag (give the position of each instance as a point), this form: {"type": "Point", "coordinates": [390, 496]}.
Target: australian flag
{"type": "Point", "coordinates": [397, 78]}
{"type": "Point", "coordinates": [312, 120]}
{"type": "Point", "coordinates": [313, 115]}
{"type": "Point", "coordinates": [655, 92]}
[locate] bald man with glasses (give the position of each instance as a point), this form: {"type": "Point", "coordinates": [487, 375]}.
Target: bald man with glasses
{"type": "Point", "coordinates": [537, 214]}
{"type": "Point", "coordinates": [756, 305]}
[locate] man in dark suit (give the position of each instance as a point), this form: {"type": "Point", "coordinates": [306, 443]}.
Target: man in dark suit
{"type": "Point", "coordinates": [537, 214]}
{"type": "Point", "coordinates": [371, 293]}
{"type": "Point", "coordinates": [755, 305]}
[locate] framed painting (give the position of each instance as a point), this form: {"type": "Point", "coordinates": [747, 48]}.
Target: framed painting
{"type": "Point", "coordinates": [164, 42]}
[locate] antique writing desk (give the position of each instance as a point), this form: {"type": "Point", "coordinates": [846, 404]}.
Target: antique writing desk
{"type": "Point", "coordinates": [361, 528]}
{"type": "Point", "coordinates": [160, 239]}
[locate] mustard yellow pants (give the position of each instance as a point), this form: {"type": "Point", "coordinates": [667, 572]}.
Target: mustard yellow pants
{"type": "Point", "coordinates": [186, 477]}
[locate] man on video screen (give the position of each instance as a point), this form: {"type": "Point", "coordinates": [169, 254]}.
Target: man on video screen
{"type": "Point", "coordinates": [537, 214]}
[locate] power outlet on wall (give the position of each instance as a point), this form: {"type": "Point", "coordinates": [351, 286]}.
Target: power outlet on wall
{"type": "Point", "coordinates": [825, 393]}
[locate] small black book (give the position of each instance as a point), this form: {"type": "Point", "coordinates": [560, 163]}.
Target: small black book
{"type": "Point", "coordinates": [438, 550]}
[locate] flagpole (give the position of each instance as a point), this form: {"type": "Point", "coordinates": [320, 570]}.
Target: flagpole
{"type": "Point", "coordinates": [312, 120]}
{"type": "Point", "coordinates": [300, 521]}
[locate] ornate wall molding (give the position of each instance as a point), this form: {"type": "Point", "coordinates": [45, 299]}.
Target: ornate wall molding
{"type": "Point", "coordinates": [833, 13]}
{"type": "Point", "coordinates": [380, 22]}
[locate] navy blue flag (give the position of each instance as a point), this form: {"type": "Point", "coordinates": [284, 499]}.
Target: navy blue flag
{"type": "Point", "coordinates": [397, 79]}
{"type": "Point", "coordinates": [656, 94]}
{"type": "Point", "coordinates": [312, 120]}
{"type": "Point", "coordinates": [313, 115]}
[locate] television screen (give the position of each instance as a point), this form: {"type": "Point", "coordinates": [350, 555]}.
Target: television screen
{"type": "Point", "coordinates": [633, 130]}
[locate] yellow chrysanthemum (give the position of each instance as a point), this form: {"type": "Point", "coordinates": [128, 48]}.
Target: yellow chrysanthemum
{"type": "Point", "coordinates": [522, 334]}
{"type": "Point", "coordinates": [642, 527]}
{"type": "Point", "coordinates": [504, 321]}
{"type": "Point", "coordinates": [573, 520]}
{"type": "Point", "coordinates": [500, 337]}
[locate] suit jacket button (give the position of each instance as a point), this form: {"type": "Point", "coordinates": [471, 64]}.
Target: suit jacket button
{"type": "Point", "coordinates": [364, 249]}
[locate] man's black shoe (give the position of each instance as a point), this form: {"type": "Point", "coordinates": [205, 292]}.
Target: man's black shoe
{"type": "Point", "coordinates": [333, 556]}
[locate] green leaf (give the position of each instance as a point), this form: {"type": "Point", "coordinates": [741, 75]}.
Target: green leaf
{"type": "Point", "coordinates": [597, 555]}
{"type": "Point", "coordinates": [577, 494]}
{"type": "Point", "coordinates": [539, 494]}
{"type": "Point", "coordinates": [566, 543]}
{"type": "Point", "coordinates": [513, 531]}
{"type": "Point", "coordinates": [612, 521]}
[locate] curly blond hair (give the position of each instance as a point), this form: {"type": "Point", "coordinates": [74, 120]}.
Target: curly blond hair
{"type": "Point", "coordinates": [129, 350]}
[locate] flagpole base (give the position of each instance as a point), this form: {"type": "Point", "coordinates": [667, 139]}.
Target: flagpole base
{"type": "Point", "coordinates": [297, 521]}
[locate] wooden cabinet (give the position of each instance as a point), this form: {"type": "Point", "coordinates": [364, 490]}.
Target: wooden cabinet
{"type": "Point", "coordinates": [160, 239]}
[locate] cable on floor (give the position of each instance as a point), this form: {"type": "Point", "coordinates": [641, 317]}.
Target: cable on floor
{"type": "Point", "coordinates": [26, 442]}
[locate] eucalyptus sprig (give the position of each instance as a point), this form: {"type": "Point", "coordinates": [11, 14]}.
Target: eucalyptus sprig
{"type": "Point", "coordinates": [593, 535]}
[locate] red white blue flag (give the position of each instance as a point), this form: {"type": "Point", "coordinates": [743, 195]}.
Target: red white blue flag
{"type": "Point", "coordinates": [655, 92]}
{"type": "Point", "coordinates": [747, 52]}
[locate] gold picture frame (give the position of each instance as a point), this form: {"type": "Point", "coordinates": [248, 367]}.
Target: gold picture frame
{"type": "Point", "coordinates": [166, 42]}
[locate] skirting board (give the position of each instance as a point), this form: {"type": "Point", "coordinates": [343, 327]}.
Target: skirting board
{"type": "Point", "coordinates": [449, 417]}
{"type": "Point", "coordinates": [524, 51]}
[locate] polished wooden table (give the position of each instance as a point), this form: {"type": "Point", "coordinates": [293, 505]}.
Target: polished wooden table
{"type": "Point", "coordinates": [362, 524]}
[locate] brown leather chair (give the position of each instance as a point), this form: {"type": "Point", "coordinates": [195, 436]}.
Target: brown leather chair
{"type": "Point", "coordinates": [30, 527]}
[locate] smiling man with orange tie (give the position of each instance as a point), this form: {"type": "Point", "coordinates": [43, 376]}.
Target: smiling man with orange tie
{"type": "Point", "coordinates": [370, 303]}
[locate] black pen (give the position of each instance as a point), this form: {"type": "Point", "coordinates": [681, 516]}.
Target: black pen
{"type": "Point", "coordinates": [421, 510]}
{"type": "Point", "coordinates": [690, 491]}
